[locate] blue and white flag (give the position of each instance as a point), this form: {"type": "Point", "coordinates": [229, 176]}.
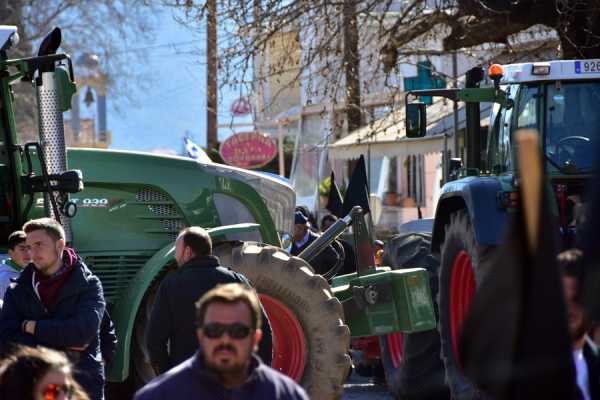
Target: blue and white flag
{"type": "Point", "coordinates": [194, 151]}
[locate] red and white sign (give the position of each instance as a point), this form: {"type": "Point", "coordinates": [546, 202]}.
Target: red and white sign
{"type": "Point", "coordinates": [248, 150]}
{"type": "Point", "coordinates": [241, 107]}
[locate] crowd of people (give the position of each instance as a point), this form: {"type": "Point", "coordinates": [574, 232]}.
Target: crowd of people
{"type": "Point", "coordinates": [56, 336]}
{"type": "Point", "coordinates": [205, 329]}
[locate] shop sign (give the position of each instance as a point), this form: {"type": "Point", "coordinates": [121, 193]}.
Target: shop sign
{"type": "Point", "coordinates": [248, 149]}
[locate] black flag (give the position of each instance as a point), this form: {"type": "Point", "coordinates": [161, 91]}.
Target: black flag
{"type": "Point", "coordinates": [589, 242]}
{"type": "Point", "coordinates": [357, 193]}
{"type": "Point", "coordinates": [515, 342]}
{"type": "Point", "coordinates": [334, 201]}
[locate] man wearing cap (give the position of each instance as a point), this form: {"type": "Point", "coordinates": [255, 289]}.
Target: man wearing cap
{"type": "Point", "coordinates": [303, 237]}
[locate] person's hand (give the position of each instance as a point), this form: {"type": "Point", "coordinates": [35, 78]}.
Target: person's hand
{"type": "Point", "coordinates": [28, 327]}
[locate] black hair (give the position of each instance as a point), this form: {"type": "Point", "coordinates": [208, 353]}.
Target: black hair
{"type": "Point", "coordinates": [328, 218]}
{"type": "Point", "coordinates": [15, 239]}
{"type": "Point", "coordinates": [570, 263]}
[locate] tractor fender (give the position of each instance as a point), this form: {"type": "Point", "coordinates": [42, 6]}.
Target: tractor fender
{"type": "Point", "coordinates": [126, 309]}
{"type": "Point", "coordinates": [479, 196]}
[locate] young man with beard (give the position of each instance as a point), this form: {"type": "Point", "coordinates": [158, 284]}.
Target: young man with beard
{"type": "Point", "coordinates": [57, 302]}
{"type": "Point", "coordinates": [228, 320]}
{"type": "Point", "coordinates": [585, 353]}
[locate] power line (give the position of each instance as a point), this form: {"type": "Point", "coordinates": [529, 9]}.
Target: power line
{"type": "Point", "coordinates": [158, 46]}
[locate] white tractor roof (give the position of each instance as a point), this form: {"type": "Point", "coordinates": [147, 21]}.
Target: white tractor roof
{"type": "Point", "coordinates": [559, 70]}
{"type": "Point", "coordinates": [6, 31]}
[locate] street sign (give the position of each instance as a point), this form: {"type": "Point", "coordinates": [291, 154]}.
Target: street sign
{"type": "Point", "coordinates": [248, 149]}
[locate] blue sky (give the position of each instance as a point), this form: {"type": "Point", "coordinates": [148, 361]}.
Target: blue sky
{"type": "Point", "coordinates": [176, 101]}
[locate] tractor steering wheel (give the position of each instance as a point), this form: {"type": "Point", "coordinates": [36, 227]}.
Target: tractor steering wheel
{"type": "Point", "coordinates": [562, 141]}
{"type": "Point", "coordinates": [570, 150]}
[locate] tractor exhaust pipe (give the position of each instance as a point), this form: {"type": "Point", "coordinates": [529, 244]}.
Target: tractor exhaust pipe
{"type": "Point", "coordinates": [51, 124]}
{"type": "Point", "coordinates": [52, 138]}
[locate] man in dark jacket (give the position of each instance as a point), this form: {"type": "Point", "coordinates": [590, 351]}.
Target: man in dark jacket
{"type": "Point", "coordinates": [303, 236]}
{"type": "Point", "coordinates": [228, 331]}
{"type": "Point", "coordinates": [57, 302]}
{"type": "Point", "coordinates": [585, 353]}
{"type": "Point", "coordinates": [171, 336]}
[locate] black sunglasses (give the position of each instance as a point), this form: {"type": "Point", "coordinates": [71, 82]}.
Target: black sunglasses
{"type": "Point", "coordinates": [215, 330]}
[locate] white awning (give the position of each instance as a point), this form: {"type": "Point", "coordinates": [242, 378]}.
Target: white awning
{"type": "Point", "coordinates": [401, 147]}
{"type": "Point", "coordinates": [387, 136]}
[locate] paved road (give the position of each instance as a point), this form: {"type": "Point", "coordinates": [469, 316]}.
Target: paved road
{"type": "Point", "coordinates": [360, 388]}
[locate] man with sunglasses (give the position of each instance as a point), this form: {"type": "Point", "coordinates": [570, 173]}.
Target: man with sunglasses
{"type": "Point", "coordinates": [171, 335]}
{"type": "Point", "coordinates": [225, 366]}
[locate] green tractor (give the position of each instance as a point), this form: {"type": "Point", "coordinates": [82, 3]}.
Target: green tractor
{"type": "Point", "coordinates": [124, 222]}
{"type": "Point", "coordinates": [558, 99]}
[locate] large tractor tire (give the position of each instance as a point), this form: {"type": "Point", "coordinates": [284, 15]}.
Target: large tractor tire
{"type": "Point", "coordinates": [310, 340]}
{"type": "Point", "coordinates": [461, 271]}
{"type": "Point", "coordinates": [412, 363]}
{"type": "Point", "coordinates": [140, 366]}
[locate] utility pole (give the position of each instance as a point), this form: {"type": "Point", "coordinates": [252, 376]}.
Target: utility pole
{"type": "Point", "coordinates": [456, 152]}
{"type": "Point", "coordinates": [351, 66]}
{"type": "Point", "coordinates": [211, 74]}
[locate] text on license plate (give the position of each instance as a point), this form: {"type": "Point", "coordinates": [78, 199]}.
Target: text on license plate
{"type": "Point", "coordinates": [587, 67]}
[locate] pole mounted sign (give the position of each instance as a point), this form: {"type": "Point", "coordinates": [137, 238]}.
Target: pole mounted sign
{"type": "Point", "coordinates": [248, 150]}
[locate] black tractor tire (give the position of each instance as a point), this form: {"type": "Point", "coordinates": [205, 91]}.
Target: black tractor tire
{"type": "Point", "coordinates": [290, 280]}
{"type": "Point", "coordinates": [459, 237]}
{"type": "Point", "coordinates": [420, 373]}
{"type": "Point", "coordinates": [141, 371]}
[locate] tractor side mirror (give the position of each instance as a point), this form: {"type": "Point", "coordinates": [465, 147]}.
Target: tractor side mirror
{"type": "Point", "coordinates": [416, 120]}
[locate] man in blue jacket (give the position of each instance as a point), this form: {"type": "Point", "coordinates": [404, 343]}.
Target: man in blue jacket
{"type": "Point", "coordinates": [56, 302]}
{"type": "Point", "coordinates": [225, 367]}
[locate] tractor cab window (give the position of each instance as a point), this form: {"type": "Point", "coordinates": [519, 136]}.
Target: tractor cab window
{"type": "Point", "coordinates": [499, 158]}
{"type": "Point", "coordinates": [571, 123]}
{"type": "Point", "coordinates": [527, 106]}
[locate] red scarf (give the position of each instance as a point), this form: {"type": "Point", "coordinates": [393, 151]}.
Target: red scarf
{"type": "Point", "coordinates": [48, 287]}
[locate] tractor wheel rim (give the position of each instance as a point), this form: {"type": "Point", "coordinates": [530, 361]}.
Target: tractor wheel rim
{"type": "Point", "coordinates": [395, 347]}
{"type": "Point", "coordinates": [289, 343]}
{"type": "Point", "coordinates": [462, 291]}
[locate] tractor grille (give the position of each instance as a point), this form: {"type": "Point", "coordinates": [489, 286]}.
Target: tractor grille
{"type": "Point", "coordinates": [161, 205]}
{"type": "Point", "coordinates": [115, 272]}
{"type": "Point", "coordinates": [151, 195]}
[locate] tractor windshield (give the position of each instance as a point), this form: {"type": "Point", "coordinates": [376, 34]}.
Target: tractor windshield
{"type": "Point", "coordinates": [572, 125]}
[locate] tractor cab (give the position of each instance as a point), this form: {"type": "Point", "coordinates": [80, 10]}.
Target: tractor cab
{"type": "Point", "coordinates": [559, 100]}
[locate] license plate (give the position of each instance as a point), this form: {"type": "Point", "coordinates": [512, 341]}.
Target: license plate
{"type": "Point", "coordinates": [587, 67]}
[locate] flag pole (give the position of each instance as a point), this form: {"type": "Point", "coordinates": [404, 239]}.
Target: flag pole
{"type": "Point", "coordinates": [530, 175]}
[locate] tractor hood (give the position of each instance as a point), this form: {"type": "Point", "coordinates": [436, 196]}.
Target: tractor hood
{"type": "Point", "coordinates": [206, 194]}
